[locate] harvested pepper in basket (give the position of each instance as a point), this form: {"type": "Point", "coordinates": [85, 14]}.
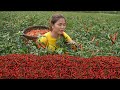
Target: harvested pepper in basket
{"type": "Point", "coordinates": [36, 32]}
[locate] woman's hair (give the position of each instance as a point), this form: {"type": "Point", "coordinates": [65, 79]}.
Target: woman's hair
{"type": "Point", "coordinates": [54, 19]}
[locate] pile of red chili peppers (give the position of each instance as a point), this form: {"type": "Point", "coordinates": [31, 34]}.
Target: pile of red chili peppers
{"type": "Point", "coordinates": [36, 32]}
{"type": "Point", "coordinates": [29, 66]}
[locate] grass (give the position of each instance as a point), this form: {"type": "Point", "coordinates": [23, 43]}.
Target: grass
{"type": "Point", "coordinates": [81, 27]}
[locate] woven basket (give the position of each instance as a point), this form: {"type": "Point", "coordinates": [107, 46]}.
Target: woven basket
{"type": "Point", "coordinates": [25, 31]}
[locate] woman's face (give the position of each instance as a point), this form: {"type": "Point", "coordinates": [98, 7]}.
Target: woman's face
{"type": "Point", "coordinates": [59, 26]}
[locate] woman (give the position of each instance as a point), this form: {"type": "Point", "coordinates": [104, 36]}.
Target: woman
{"type": "Point", "coordinates": [57, 30]}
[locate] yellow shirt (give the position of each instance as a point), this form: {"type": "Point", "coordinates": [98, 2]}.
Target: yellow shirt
{"type": "Point", "coordinates": [50, 42]}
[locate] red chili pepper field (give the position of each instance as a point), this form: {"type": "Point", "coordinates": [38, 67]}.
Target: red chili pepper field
{"type": "Point", "coordinates": [29, 66]}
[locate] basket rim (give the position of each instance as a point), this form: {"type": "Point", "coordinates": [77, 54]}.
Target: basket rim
{"type": "Point", "coordinates": [30, 28]}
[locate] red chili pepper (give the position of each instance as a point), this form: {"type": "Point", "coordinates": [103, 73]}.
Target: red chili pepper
{"type": "Point", "coordinates": [59, 66]}
{"type": "Point", "coordinates": [36, 32]}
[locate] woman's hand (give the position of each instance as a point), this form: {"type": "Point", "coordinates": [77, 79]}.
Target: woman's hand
{"type": "Point", "coordinates": [75, 45]}
{"type": "Point", "coordinates": [72, 42]}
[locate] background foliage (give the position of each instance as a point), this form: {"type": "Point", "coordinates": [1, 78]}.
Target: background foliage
{"type": "Point", "coordinates": [90, 29]}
